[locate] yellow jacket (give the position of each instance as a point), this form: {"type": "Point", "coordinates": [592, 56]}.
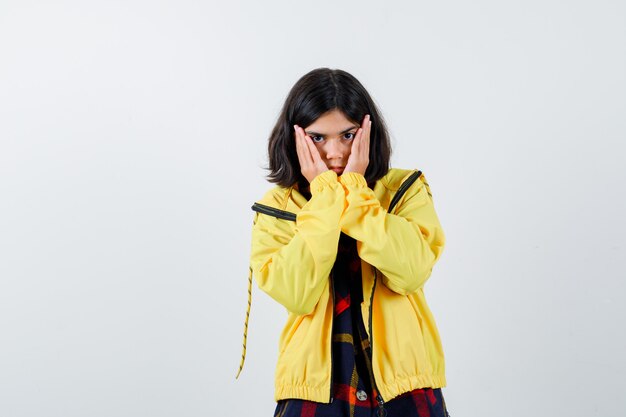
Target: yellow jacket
{"type": "Point", "coordinates": [294, 246]}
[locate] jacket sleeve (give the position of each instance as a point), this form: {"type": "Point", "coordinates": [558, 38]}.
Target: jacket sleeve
{"type": "Point", "coordinates": [293, 265]}
{"type": "Point", "coordinates": [405, 245]}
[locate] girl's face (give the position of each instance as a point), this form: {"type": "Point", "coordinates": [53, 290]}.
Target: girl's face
{"type": "Point", "coordinates": [332, 133]}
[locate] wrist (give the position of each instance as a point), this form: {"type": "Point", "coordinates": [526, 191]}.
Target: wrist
{"type": "Point", "coordinates": [354, 179]}
{"type": "Point", "coordinates": [322, 180]}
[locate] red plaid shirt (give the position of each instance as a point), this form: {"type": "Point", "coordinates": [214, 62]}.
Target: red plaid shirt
{"type": "Point", "coordinates": [354, 394]}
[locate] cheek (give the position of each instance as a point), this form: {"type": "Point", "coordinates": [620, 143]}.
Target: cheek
{"type": "Point", "coordinates": [347, 149]}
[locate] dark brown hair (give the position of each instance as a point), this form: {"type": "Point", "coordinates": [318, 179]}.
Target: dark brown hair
{"type": "Point", "coordinates": [315, 93]}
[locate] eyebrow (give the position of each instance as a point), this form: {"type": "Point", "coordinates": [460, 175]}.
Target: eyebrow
{"type": "Point", "coordinates": [310, 132]}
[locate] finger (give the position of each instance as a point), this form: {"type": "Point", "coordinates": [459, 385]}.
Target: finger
{"type": "Point", "coordinates": [354, 158]}
{"type": "Point", "coordinates": [307, 144]}
{"type": "Point", "coordinates": [301, 148]}
{"type": "Point", "coordinates": [365, 121]}
{"type": "Point", "coordinates": [298, 146]}
{"type": "Point", "coordinates": [315, 155]}
{"type": "Point", "coordinates": [364, 131]}
{"type": "Point", "coordinates": [356, 144]}
{"type": "Point", "coordinates": [365, 126]}
{"type": "Point", "coordinates": [366, 144]}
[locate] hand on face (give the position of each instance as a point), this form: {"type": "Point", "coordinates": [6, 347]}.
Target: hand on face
{"type": "Point", "coordinates": [360, 151]}
{"type": "Point", "coordinates": [311, 163]}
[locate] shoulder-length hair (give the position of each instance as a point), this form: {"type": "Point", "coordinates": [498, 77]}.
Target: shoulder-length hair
{"type": "Point", "coordinates": [315, 93]}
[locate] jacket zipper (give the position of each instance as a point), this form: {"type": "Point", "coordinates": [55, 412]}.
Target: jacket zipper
{"type": "Point", "coordinates": [381, 408]}
{"type": "Point", "coordinates": [332, 328]}
{"type": "Point", "coordinates": [272, 211]}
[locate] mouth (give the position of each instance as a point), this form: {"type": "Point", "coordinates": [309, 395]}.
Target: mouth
{"type": "Point", "coordinates": [338, 170]}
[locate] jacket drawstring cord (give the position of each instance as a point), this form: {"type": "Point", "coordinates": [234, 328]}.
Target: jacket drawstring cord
{"type": "Point", "coordinates": [245, 327]}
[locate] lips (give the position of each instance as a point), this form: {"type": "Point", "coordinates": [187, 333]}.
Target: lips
{"type": "Point", "coordinates": [337, 169]}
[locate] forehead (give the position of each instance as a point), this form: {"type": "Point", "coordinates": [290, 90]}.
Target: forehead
{"type": "Point", "coordinates": [332, 122]}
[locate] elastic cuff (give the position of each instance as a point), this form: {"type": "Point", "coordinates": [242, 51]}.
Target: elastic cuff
{"type": "Point", "coordinates": [322, 180]}
{"type": "Point", "coordinates": [353, 179]}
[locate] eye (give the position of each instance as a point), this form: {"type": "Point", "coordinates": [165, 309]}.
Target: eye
{"type": "Point", "coordinates": [313, 138]}
{"type": "Point", "coordinates": [351, 136]}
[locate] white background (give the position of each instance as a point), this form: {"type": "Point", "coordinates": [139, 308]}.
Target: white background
{"type": "Point", "coordinates": [133, 139]}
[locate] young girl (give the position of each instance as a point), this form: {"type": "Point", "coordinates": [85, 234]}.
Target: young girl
{"type": "Point", "coordinates": [345, 243]}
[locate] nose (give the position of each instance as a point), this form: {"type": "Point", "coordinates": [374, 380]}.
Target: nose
{"type": "Point", "coordinates": [333, 149]}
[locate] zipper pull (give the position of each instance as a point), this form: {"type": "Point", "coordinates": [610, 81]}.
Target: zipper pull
{"type": "Point", "coordinates": [381, 409]}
